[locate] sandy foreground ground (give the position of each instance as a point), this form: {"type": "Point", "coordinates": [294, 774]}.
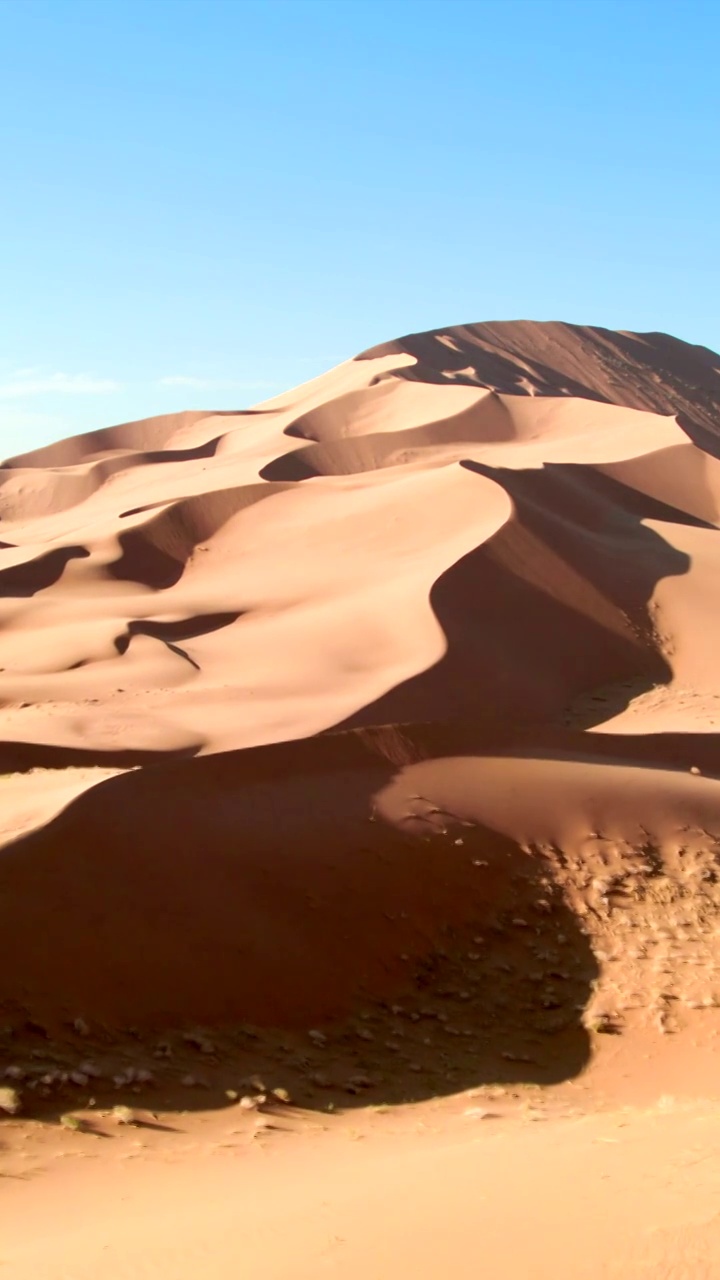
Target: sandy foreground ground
{"type": "Point", "coordinates": [543, 1185]}
{"type": "Point", "coordinates": [360, 824]}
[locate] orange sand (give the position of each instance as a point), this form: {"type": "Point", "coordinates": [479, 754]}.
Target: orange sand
{"type": "Point", "coordinates": [427, 648]}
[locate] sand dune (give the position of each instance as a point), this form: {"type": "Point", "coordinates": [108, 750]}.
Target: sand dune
{"type": "Point", "coordinates": [499, 539]}
{"type": "Point", "coordinates": [364, 748]}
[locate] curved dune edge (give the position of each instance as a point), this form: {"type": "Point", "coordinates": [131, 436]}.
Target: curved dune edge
{"type": "Point", "coordinates": [450, 608]}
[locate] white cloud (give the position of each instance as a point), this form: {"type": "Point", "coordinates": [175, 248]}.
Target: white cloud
{"type": "Point", "coordinates": [33, 382]}
{"type": "Point", "coordinates": [211, 384]}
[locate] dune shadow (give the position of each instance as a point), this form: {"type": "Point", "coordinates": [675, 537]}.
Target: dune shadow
{"type": "Point", "coordinates": [679, 378]}
{"type": "Point", "coordinates": [26, 579]}
{"type": "Point", "coordinates": [457, 357]}
{"type": "Point", "coordinates": [597, 705]}
{"type": "Point", "coordinates": [552, 605]}
{"type": "Point", "coordinates": [254, 896]}
{"type": "Point", "coordinates": [157, 553]}
{"type": "Point", "coordinates": [195, 453]}
{"type": "Point", "coordinates": [486, 421]}
{"type": "Point", "coordinates": [142, 560]}
{"type": "Point", "coordinates": [21, 757]}
{"type": "Point", "coordinates": [170, 632]}
{"type": "Point", "coordinates": [650, 371]}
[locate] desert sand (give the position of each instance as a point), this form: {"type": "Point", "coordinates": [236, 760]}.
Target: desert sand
{"type": "Point", "coordinates": [363, 746]}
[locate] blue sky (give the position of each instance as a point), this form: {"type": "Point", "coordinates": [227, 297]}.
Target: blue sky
{"type": "Point", "coordinates": [204, 202]}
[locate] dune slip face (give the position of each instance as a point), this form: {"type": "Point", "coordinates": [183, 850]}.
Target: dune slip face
{"type": "Point", "coordinates": [308, 705]}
